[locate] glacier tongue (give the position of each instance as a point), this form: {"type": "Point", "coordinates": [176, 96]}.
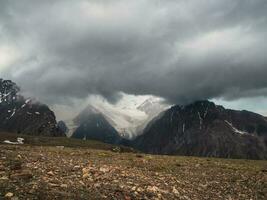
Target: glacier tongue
{"type": "Point", "coordinates": [131, 115]}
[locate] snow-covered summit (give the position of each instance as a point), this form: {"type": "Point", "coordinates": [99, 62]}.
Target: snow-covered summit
{"type": "Point", "coordinates": [129, 116]}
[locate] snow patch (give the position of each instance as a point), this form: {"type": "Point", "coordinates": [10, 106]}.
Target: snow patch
{"type": "Point", "coordinates": [19, 141]}
{"type": "Point", "coordinates": [235, 129]}
{"type": "Point", "coordinates": [200, 121]}
{"type": "Point", "coordinates": [13, 113]}
{"type": "Point", "coordinates": [84, 138]}
{"type": "Point", "coordinates": [27, 101]}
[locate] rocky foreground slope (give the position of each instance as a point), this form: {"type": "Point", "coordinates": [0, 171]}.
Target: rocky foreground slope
{"type": "Point", "coordinates": [205, 129]}
{"type": "Point", "coordinates": [24, 116]}
{"type": "Point", "coordinates": [35, 172]}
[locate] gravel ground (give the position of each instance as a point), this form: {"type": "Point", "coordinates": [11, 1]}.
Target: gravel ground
{"type": "Point", "coordinates": [36, 172]}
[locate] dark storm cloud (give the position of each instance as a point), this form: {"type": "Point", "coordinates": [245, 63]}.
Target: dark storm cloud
{"type": "Point", "coordinates": [180, 50]}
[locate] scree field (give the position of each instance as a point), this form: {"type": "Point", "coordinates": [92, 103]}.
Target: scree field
{"type": "Point", "coordinates": [62, 168]}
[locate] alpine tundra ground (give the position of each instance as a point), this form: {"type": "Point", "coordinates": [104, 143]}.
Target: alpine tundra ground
{"type": "Point", "coordinates": [61, 168]}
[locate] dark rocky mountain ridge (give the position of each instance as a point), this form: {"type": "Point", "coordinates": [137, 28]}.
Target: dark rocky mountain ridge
{"type": "Point", "coordinates": [199, 129]}
{"type": "Point", "coordinates": [24, 116]}
{"type": "Point", "coordinates": [205, 129]}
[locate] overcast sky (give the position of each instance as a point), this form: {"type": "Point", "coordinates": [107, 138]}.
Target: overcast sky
{"type": "Point", "coordinates": [182, 50]}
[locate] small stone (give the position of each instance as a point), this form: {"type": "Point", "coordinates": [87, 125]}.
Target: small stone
{"type": "Point", "coordinates": [9, 195]}
{"type": "Point", "coordinates": [4, 178]}
{"type": "Point", "coordinates": [104, 169]}
{"type": "Point", "coordinates": [203, 186]}
{"type": "Point", "coordinates": [82, 183]}
{"type": "Point", "coordinates": [53, 185]}
{"type": "Point", "coordinates": [85, 170]}
{"type": "Point", "coordinates": [175, 191]}
{"type": "Point", "coordinates": [86, 175]}
{"type": "Point", "coordinates": [153, 189]}
{"type": "Point", "coordinates": [76, 167]}
{"type": "Point", "coordinates": [186, 197]}
{"type": "Point", "coordinates": [24, 175]}
{"type": "Point", "coordinates": [64, 185]}
{"type": "Point", "coordinates": [97, 185]}
{"type": "Point", "coordinates": [50, 173]}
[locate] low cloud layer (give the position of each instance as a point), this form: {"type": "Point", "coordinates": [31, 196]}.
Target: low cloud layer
{"type": "Point", "coordinates": [180, 50]}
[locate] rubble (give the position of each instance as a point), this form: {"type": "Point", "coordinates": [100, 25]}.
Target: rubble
{"type": "Point", "coordinates": [80, 173]}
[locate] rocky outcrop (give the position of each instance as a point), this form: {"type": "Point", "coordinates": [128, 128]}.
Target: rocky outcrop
{"type": "Point", "coordinates": [205, 129]}
{"type": "Point", "coordinates": [24, 116]}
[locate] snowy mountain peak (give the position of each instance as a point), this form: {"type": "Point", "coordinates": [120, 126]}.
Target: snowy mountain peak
{"type": "Point", "coordinates": [90, 109]}
{"type": "Point", "coordinates": [153, 106]}
{"type": "Point", "coordinates": [129, 116]}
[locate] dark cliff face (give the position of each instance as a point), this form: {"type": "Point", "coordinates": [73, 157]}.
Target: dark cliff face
{"type": "Point", "coordinates": [23, 116]}
{"type": "Point", "coordinates": [204, 129]}
{"type": "Point", "coordinates": [62, 127]}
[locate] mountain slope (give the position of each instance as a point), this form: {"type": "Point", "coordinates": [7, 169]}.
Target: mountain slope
{"type": "Point", "coordinates": [129, 116]}
{"type": "Point", "coordinates": [24, 116]}
{"type": "Point", "coordinates": [204, 129]}
{"type": "Point", "coordinates": [94, 126]}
